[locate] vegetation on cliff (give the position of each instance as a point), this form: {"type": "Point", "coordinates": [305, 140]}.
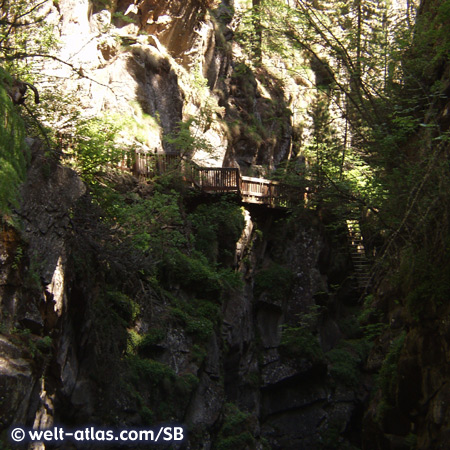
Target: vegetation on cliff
{"type": "Point", "coordinates": [13, 153]}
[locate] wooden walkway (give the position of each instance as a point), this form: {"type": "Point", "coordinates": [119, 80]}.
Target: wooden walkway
{"type": "Point", "coordinates": [258, 191]}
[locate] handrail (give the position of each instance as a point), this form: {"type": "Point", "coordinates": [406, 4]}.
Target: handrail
{"type": "Point", "coordinates": [218, 179]}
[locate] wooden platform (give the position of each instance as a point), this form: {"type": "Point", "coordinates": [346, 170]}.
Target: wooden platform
{"type": "Point", "coordinates": [258, 191]}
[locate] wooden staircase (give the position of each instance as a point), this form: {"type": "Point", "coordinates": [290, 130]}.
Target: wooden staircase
{"type": "Point", "coordinates": [360, 262]}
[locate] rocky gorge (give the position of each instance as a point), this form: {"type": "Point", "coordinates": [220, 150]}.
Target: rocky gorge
{"type": "Point", "coordinates": [130, 301]}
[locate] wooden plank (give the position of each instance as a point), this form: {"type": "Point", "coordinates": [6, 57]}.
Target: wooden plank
{"type": "Point", "coordinates": [259, 180]}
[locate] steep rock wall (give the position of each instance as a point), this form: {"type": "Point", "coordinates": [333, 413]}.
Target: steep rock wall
{"type": "Point", "coordinates": [38, 302]}
{"type": "Point", "coordinates": [162, 63]}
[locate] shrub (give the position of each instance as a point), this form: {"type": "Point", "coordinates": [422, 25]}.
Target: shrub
{"type": "Point", "coordinates": [387, 379]}
{"type": "Point", "coordinates": [152, 223]}
{"type": "Point", "coordinates": [123, 305]}
{"type": "Point", "coordinates": [299, 342]}
{"type": "Point", "coordinates": [150, 370]}
{"type": "Point", "coordinates": [148, 343]}
{"type": "Point", "coordinates": [193, 273]}
{"type": "Point", "coordinates": [147, 415]}
{"type": "Point", "coordinates": [344, 366]}
{"type": "Point", "coordinates": [236, 431]}
{"type": "Point", "coordinates": [217, 228]}
{"type": "Point", "coordinates": [276, 281]}
{"type": "Point", "coordinates": [95, 147]}
{"type": "Point", "coordinates": [388, 376]}
{"type": "Point", "coordinates": [201, 328]}
{"type": "Point", "coordinates": [186, 383]}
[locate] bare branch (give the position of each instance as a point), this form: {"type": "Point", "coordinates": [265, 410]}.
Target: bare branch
{"type": "Point", "coordinates": [37, 6]}
{"type": "Point", "coordinates": [77, 70]}
{"type": "Point", "coordinates": [21, 24]}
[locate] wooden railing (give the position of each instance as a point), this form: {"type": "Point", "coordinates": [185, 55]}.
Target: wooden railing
{"type": "Point", "coordinates": [259, 190]}
{"type": "Point", "coordinates": [150, 164]}
{"type": "Point", "coordinates": [218, 179]}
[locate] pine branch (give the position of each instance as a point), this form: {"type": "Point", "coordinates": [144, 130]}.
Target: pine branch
{"type": "Point", "coordinates": [41, 128]}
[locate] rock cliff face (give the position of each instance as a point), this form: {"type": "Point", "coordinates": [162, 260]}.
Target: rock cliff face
{"type": "Point", "coordinates": [170, 61]}
{"type": "Point", "coordinates": [156, 64]}
{"type": "Point", "coordinates": [34, 289]}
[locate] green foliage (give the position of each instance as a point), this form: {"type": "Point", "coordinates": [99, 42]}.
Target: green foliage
{"type": "Point", "coordinates": [44, 344]}
{"type": "Point", "coordinates": [122, 16]}
{"type": "Point", "coordinates": [17, 258]}
{"type": "Point", "coordinates": [150, 340]}
{"type": "Point", "coordinates": [332, 438]}
{"type": "Point", "coordinates": [27, 39]}
{"type": "Point", "coordinates": [373, 330]}
{"type": "Point", "coordinates": [371, 320]}
{"type": "Point", "coordinates": [133, 341]}
{"type": "Point", "coordinates": [345, 363]}
{"type": "Point", "coordinates": [425, 282]}
{"type": "Point", "coordinates": [145, 345]}
{"type": "Point", "coordinates": [276, 281]}
{"type": "Point", "coordinates": [153, 223]}
{"type": "Point", "coordinates": [186, 383]}
{"type": "Point", "coordinates": [411, 441]}
{"type": "Point", "coordinates": [195, 274]}
{"type": "Point", "coordinates": [166, 390]}
{"type": "Point", "coordinates": [236, 431]}
{"type": "Point", "coordinates": [188, 138]}
{"type": "Point", "coordinates": [150, 371]}
{"type": "Point", "coordinates": [217, 228]}
{"type": "Point", "coordinates": [350, 327]}
{"type": "Point", "coordinates": [197, 317]}
{"type": "Point", "coordinates": [388, 377]}
{"type": "Point", "coordinates": [123, 305]}
{"type": "Point", "coordinates": [13, 151]}
{"type": "Point", "coordinates": [96, 148]}
{"type": "Point", "coordinates": [198, 354]}
{"type": "Point", "coordinates": [113, 311]}
{"type": "Point", "coordinates": [37, 347]}
{"type": "Point", "coordinates": [32, 279]}
{"type": "Point", "coordinates": [24, 33]}
{"type": "Point", "coordinates": [300, 342]}
{"type": "Point", "coordinates": [431, 46]}
{"type": "Point", "coordinates": [202, 328]}
{"type": "Point", "coordinates": [147, 416]}
{"type": "Point", "coordinates": [140, 127]}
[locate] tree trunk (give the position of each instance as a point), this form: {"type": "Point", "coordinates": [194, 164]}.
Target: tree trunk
{"type": "Point", "coordinates": [257, 44]}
